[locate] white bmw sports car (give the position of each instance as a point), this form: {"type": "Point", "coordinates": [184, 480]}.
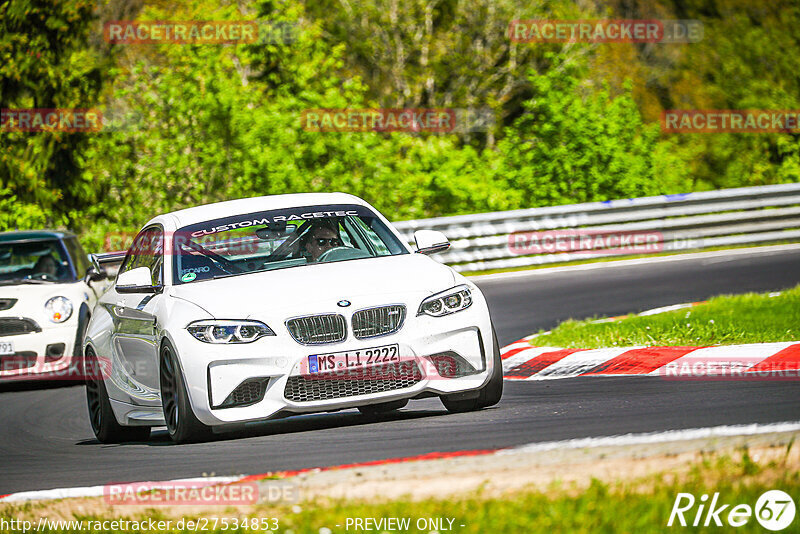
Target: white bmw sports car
{"type": "Point", "coordinates": [261, 308]}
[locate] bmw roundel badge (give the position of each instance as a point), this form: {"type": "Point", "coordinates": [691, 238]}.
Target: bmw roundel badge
{"type": "Point", "coordinates": [343, 303]}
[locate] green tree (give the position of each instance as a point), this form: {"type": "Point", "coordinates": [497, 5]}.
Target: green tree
{"type": "Point", "coordinates": [46, 61]}
{"type": "Point", "coordinates": [579, 144]}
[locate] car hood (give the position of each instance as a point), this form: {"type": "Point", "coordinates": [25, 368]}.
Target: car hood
{"type": "Point", "coordinates": [317, 288]}
{"type": "Point", "coordinates": [40, 292]}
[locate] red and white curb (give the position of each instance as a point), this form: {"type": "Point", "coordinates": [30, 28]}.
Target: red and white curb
{"type": "Point", "coordinates": [521, 361]}
{"type": "Point", "coordinates": [578, 443]}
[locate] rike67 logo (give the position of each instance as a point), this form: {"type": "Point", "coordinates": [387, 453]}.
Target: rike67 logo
{"type": "Point", "coordinates": [774, 510]}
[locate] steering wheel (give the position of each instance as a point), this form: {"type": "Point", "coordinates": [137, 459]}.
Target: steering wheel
{"type": "Point", "coordinates": [342, 253]}
{"type": "Point", "coordinates": [217, 258]}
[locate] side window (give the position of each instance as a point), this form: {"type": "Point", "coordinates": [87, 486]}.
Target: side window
{"type": "Point", "coordinates": [377, 244]}
{"type": "Point", "coordinates": [147, 250]}
{"type": "Point", "coordinates": [77, 255]}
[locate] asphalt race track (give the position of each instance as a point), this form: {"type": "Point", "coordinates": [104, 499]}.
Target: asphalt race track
{"type": "Point", "coordinates": [46, 441]}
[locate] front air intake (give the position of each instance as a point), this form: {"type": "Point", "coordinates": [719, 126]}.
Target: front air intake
{"type": "Point", "coordinates": [15, 326]}
{"type": "Point", "coordinates": [248, 392]}
{"type": "Point", "coordinates": [352, 382]}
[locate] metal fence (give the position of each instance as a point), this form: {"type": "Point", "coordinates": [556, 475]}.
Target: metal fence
{"type": "Point", "coordinates": [670, 223]}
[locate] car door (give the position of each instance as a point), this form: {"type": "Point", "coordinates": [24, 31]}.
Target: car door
{"type": "Point", "coordinates": [134, 338]}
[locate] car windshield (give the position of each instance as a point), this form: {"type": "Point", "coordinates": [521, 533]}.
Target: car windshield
{"type": "Point", "coordinates": [37, 261]}
{"type": "Point", "coordinates": [280, 239]}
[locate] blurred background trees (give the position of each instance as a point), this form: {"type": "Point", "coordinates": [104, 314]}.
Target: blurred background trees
{"type": "Point", "coordinates": [572, 122]}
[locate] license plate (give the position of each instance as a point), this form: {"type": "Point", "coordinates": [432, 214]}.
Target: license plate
{"type": "Point", "coordinates": [353, 359]}
{"type": "Point", "coordinates": [6, 348]}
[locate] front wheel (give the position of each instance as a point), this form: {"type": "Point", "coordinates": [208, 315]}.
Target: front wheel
{"type": "Point", "coordinates": [182, 425]}
{"type": "Point", "coordinates": [489, 394]}
{"type": "Point", "coordinates": [101, 416]}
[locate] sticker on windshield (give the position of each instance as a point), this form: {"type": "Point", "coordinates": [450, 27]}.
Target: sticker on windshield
{"type": "Point", "coordinates": [188, 277]}
{"type": "Point", "coordinates": [275, 216]}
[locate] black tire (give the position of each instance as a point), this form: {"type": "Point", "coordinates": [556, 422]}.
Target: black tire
{"type": "Point", "coordinates": [104, 424]}
{"type": "Point", "coordinates": [493, 390]}
{"type": "Point", "coordinates": [489, 394]}
{"type": "Point", "coordinates": [384, 407]}
{"type": "Point", "coordinates": [182, 425]}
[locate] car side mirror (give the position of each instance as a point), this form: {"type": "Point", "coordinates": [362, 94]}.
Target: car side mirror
{"type": "Point", "coordinates": [95, 272]}
{"type": "Point", "coordinates": [430, 241]}
{"type": "Point", "coordinates": [93, 275]}
{"type": "Point", "coordinates": [136, 281]}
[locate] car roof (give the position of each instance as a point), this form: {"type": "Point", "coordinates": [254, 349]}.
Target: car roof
{"type": "Point", "coordinates": [227, 208]}
{"type": "Point", "coordinates": [33, 235]}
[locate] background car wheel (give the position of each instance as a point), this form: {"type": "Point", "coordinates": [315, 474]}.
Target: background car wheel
{"type": "Point", "coordinates": [375, 409]}
{"type": "Point", "coordinates": [101, 417]}
{"type": "Point", "coordinates": [489, 394]}
{"type": "Point", "coordinates": [182, 425]}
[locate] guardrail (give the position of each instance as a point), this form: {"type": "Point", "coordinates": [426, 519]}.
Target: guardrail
{"type": "Point", "coordinates": [669, 223]}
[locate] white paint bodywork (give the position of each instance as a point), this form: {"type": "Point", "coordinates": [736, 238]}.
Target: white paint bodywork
{"type": "Point", "coordinates": [212, 371]}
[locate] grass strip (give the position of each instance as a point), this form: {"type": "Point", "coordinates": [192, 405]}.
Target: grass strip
{"type": "Point", "coordinates": [723, 320]}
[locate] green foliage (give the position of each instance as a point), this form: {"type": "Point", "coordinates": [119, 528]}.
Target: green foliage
{"type": "Point", "coordinates": [578, 145]}
{"type": "Point", "coordinates": [45, 62]}
{"type": "Point", "coordinates": [725, 320]}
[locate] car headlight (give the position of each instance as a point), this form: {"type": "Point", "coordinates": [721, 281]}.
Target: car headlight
{"type": "Point", "coordinates": [447, 302]}
{"type": "Point", "coordinates": [58, 309]}
{"type": "Point", "coordinates": [228, 331]}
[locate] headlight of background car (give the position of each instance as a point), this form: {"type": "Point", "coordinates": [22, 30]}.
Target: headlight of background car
{"type": "Point", "coordinates": [450, 301]}
{"type": "Point", "coordinates": [228, 331]}
{"type": "Point", "coordinates": [58, 309]}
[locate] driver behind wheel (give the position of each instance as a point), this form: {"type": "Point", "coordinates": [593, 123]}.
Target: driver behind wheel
{"type": "Point", "coordinates": [322, 237]}
{"type": "Point", "coordinates": [46, 265]}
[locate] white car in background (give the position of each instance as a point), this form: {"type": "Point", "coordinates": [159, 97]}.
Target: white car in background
{"type": "Point", "coordinates": [48, 288]}
{"type": "Point", "coordinates": [265, 307]}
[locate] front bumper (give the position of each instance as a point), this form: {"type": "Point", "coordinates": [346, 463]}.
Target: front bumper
{"type": "Point", "coordinates": [214, 372]}
{"type": "Point", "coordinates": [45, 355]}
